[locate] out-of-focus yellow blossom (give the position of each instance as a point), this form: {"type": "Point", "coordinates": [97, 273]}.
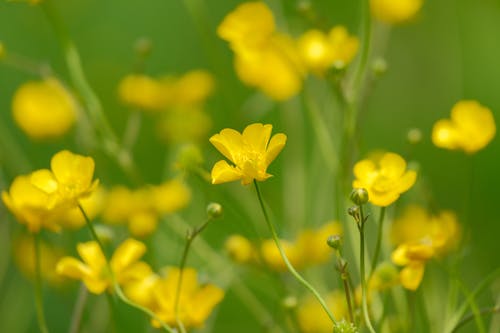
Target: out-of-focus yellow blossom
{"type": "Point", "coordinates": [320, 52]}
{"type": "Point", "coordinates": [192, 88]}
{"type": "Point", "coordinates": [31, 204]}
{"type": "Point", "coordinates": [395, 11]}
{"type": "Point", "coordinates": [184, 124]}
{"type": "Point", "coordinates": [384, 177]}
{"type": "Point", "coordinates": [142, 223]}
{"type": "Point", "coordinates": [143, 92]}
{"type": "Point", "coordinates": [240, 249]}
{"type": "Point", "coordinates": [272, 256]}
{"type": "Point", "coordinates": [94, 272]}
{"type": "Point", "coordinates": [251, 152]}
{"type": "Point", "coordinates": [470, 128]}
{"type": "Point", "coordinates": [312, 243]}
{"type": "Point", "coordinates": [312, 318]}
{"type": "Point", "coordinates": [196, 301]}
{"type": "Point", "coordinates": [413, 257]}
{"type": "Point", "coordinates": [24, 257]}
{"type": "Point", "coordinates": [44, 109]}
{"type": "Point", "coordinates": [141, 291]}
{"type": "Point", "coordinates": [171, 196]}
{"type": "Point", "coordinates": [72, 218]}
{"type": "Point", "coordinates": [384, 277]}
{"type": "Point", "coordinates": [264, 58]}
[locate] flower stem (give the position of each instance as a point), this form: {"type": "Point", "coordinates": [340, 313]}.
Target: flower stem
{"type": "Point", "coordinates": [76, 317]}
{"type": "Point", "coordinates": [42, 325]}
{"type": "Point", "coordinates": [379, 239]}
{"type": "Point", "coordinates": [361, 228]}
{"type": "Point", "coordinates": [116, 287]}
{"type": "Point", "coordinates": [287, 262]}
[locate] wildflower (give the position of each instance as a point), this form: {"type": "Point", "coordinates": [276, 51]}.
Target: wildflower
{"type": "Point", "coordinates": [312, 243]}
{"type": "Point", "coordinates": [395, 11]}
{"type": "Point", "coordinates": [264, 58]}
{"type": "Point", "coordinates": [240, 249]}
{"type": "Point", "coordinates": [31, 204]}
{"type": "Point", "coordinates": [384, 277]}
{"type": "Point", "coordinates": [44, 109]}
{"type": "Point", "coordinates": [251, 152]}
{"type": "Point", "coordinates": [320, 52]}
{"type": "Point", "coordinates": [93, 271]}
{"type": "Point", "coordinates": [143, 92]}
{"type": "Point", "coordinates": [470, 128]}
{"type": "Point", "coordinates": [141, 291]}
{"type": "Point", "coordinates": [384, 177]}
{"type": "Point", "coordinates": [273, 259]}
{"type": "Point", "coordinates": [192, 88]}
{"type": "Point", "coordinates": [311, 317]}
{"type": "Point", "coordinates": [413, 257]}
{"type": "Point", "coordinates": [184, 125]}
{"type": "Point", "coordinates": [196, 301]}
{"type": "Point", "coordinates": [72, 218]}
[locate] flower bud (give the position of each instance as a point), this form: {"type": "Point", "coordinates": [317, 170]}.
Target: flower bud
{"type": "Point", "coordinates": [379, 67]}
{"type": "Point", "coordinates": [334, 241]}
{"type": "Point", "coordinates": [359, 196]}
{"type": "Point", "coordinates": [354, 212]}
{"type": "Point", "coordinates": [414, 136]}
{"type": "Point", "coordinates": [214, 210]}
{"type": "Point", "coordinates": [104, 233]}
{"type": "Point", "coordinates": [290, 302]}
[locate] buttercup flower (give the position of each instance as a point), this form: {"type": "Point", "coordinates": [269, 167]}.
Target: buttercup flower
{"type": "Point", "coordinates": [470, 128]}
{"type": "Point", "coordinates": [384, 177]}
{"type": "Point", "coordinates": [43, 109]}
{"type": "Point", "coordinates": [94, 272]}
{"type": "Point", "coordinates": [395, 11]}
{"type": "Point", "coordinates": [196, 301]}
{"type": "Point", "coordinates": [72, 218]}
{"type": "Point", "coordinates": [413, 257]}
{"type": "Point", "coordinates": [312, 318]}
{"type": "Point", "coordinates": [143, 92]}
{"type": "Point", "coordinates": [251, 152]}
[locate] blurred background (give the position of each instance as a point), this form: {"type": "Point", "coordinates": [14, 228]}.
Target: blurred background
{"type": "Point", "coordinates": [449, 52]}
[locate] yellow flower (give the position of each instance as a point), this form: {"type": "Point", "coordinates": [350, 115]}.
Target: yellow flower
{"type": "Point", "coordinates": [143, 92]}
{"type": "Point", "coordinates": [43, 109]}
{"type": "Point", "coordinates": [413, 257]}
{"type": "Point", "coordinates": [32, 204]}
{"type": "Point", "coordinates": [72, 218]}
{"type": "Point", "coordinates": [312, 243]}
{"type": "Point", "coordinates": [240, 249]}
{"type": "Point", "coordinates": [470, 128]}
{"type": "Point", "coordinates": [312, 318]}
{"type": "Point", "coordinates": [319, 52]}
{"type": "Point", "coordinates": [395, 11]}
{"type": "Point", "coordinates": [384, 277]}
{"type": "Point", "coordinates": [94, 272]}
{"type": "Point", "coordinates": [184, 125]}
{"type": "Point", "coordinates": [141, 291]}
{"type": "Point", "coordinates": [251, 152]}
{"type": "Point", "coordinates": [384, 177]}
{"type": "Point", "coordinates": [192, 88]}
{"type": "Point", "coordinates": [272, 257]}
{"type": "Point", "coordinates": [196, 302]}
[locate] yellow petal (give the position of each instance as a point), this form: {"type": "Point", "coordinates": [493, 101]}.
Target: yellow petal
{"type": "Point", "coordinates": [222, 172]}
{"type": "Point", "coordinates": [44, 179]}
{"type": "Point", "coordinates": [406, 181]}
{"type": "Point", "coordinates": [412, 275]}
{"type": "Point", "coordinates": [203, 302]}
{"type": "Point", "coordinates": [444, 134]}
{"type": "Point", "coordinates": [399, 255]}
{"type": "Point", "coordinates": [392, 165]}
{"type": "Point", "coordinates": [96, 285]}
{"type": "Point", "coordinates": [127, 253]}
{"type": "Point", "coordinates": [228, 142]}
{"type": "Point", "coordinates": [257, 136]}
{"type": "Point", "coordinates": [92, 255]}
{"type": "Point", "coordinates": [72, 169]}
{"type": "Point", "coordinates": [364, 170]}
{"type": "Point", "coordinates": [73, 268]}
{"type": "Point", "coordinates": [275, 146]}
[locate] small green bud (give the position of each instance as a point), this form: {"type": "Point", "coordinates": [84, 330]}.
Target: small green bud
{"type": "Point", "coordinates": [334, 241]}
{"type": "Point", "coordinates": [414, 136]}
{"type": "Point", "coordinates": [359, 196]}
{"type": "Point", "coordinates": [214, 210]}
{"type": "Point", "coordinates": [104, 233]}
{"type": "Point", "coordinates": [289, 302]}
{"type": "Point", "coordinates": [379, 66]}
{"type": "Point", "coordinates": [354, 212]}
{"type": "Point", "coordinates": [143, 46]}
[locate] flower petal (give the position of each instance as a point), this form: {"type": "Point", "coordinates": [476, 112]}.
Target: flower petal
{"type": "Point", "coordinates": [203, 302]}
{"type": "Point", "coordinates": [69, 168]}
{"type": "Point", "coordinates": [257, 136]}
{"type": "Point", "coordinates": [392, 165]}
{"type": "Point", "coordinates": [222, 172]}
{"type": "Point", "coordinates": [73, 268]}
{"type": "Point", "coordinates": [92, 255]}
{"type": "Point", "coordinates": [406, 181]}
{"type": "Point", "coordinates": [275, 146]}
{"type": "Point", "coordinates": [126, 254]}
{"type": "Point", "coordinates": [228, 142]}
{"type": "Point", "coordinates": [412, 275]}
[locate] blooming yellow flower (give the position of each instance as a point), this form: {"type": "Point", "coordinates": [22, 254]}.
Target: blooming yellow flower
{"type": "Point", "coordinates": [470, 128]}
{"type": "Point", "coordinates": [384, 177]}
{"type": "Point", "coordinates": [251, 152]}
{"type": "Point", "coordinates": [196, 302]}
{"type": "Point", "coordinates": [141, 291]}
{"type": "Point", "coordinates": [93, 271]}
{"type": "Point", "coordinates": [240, 249]}
{"type": "Point", "coordinates": [43, 109]}
{"type": "Point", "coordinates": [311, 317]}
{"type": "Point", "coordinates": [320, 51]}
{"type": "Point", "coordinates": [192, 88]}
{"type": "Point", "coordinates": [413, 257]}
{"type": "Point", "coordinates": [72, 217]}
{"type": "Point", "coordinates": [312, 243]}
{"type": "Point", "coordinates": [395, 11]}
{"type": "Point", "coordinates": [143, 92]}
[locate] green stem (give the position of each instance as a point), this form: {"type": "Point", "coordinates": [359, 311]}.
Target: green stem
{"type": "Point", "coordinates": [471, 316]}
{"type": "Point", "coordinates": [379, 239]}
{"type": "Point", "coordinates": [76, 317]}
{"type": "Point", "coordinates": [42, 325]}
{"type": "Point", "coordinates": [474, 308]}
{"type": "Point", "coordinates": [115, 285]}
{"type": "Point", "coordinates": [366, 26]}
{"type": "Point", "coordinates": [344, 275]}
{"type": "Point", "coordinates": [364, 290]}
{"type": "Point", "coordinates": [287, 262]}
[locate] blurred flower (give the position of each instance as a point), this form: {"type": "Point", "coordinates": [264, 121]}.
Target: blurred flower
{"type": "Point", "coordinates": [320, 52]}
{"type": "Point", "coordinates": [395, 11]}
{"type": "Point", "coordinates": [72, 218]}
{"type": "Point", "coordinates": [196, 301]}
{"type": "Point", "coordinates": [23, 252]}
{"type": "Point", "coordinates": [272, 256]}
{"type": "Point", "coordinates": [93, 271]}
{"type": "Point", "coordinates": [240, 249]}
{"type": "Point", "coordinates": [143, 92]}
{"type": "Point", "coordinates": [384, 177]}
{"type": "Point", "coordinates": [413, 257]}
{"type": "Point", "coordinates": [470, 128]}
{"type": "Point", "coordinates": [251, 152]}
{"type": "Point", "coordinates": [192, 88]}
{"type": "Point", "coordinates": [384, 277]}
{"type": "Point", "coordinates": [264, 58]}
{"type": "Point", "coordinates": [311, 317]}
{"type": "Point", "coordinates": [44, 109]}
{"type": "Point", "coordinates": [141, 291]}
{"type": "Point", "coordinates": [184, 125]}
{"type": "Point", "coordinates": [312, 243]}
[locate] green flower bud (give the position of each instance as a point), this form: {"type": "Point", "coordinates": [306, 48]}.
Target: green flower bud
{"type": "Point", "coordinates": [290, 302]}
{"type": "Point", "coordinates": [334, 241]}
{"type": "Point", "coordinates": [414, 136]}
{"type": "Point", "coordinates": [359, 196]}
{"type": "Point", "coordinates": [344, 326]}
{"type": "Point", "coordinates": [379, 66]}
{"type": "Point", "coordinates": [354, 212]}
{"type": "Point", "coordinates": [214, 210]}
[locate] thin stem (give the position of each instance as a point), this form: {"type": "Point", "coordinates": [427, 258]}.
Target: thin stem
{"type": "Point", "coordinates": [76, 317]}
{"type": "Point", "coordinates": [287, 262]}
{"type": "Point", "coordinates": [471, 316]}
{"type": "Point", "coordinates": [362, 270]}
{"type": "Point", "coordinates": [379, 239]}
{"type": "Point", "coordinates": [115, 285]}
{"type": "Point", "coordinates": [191, 235]}
{"type": "Point", "coordinates": [26, 65]}
{"type": "Point", "coordinates": [344, 275]}
{"type": "Point", "coordinates": [42, 325]}
{"type": "Point", "coordinates": [366, 25]}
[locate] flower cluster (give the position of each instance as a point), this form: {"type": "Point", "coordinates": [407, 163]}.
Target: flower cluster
{"type": "Point", "coordinates": [275, 62]}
